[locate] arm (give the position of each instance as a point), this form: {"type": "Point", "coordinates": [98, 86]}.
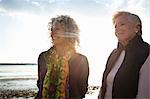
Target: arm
{"type": "Point", "coordinates": [39, 66]}
{"type": "Point", "coordinates": [41, 69]}
{"type": "Point", "coordinates": [84, 74]}
{"type": "Point", "coordinates": [144, 81]}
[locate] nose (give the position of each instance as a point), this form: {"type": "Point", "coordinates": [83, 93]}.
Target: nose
{"type": "Point", "coordinates": [117, 28]}
{"type": "Point", "coordinates": [52, 35]}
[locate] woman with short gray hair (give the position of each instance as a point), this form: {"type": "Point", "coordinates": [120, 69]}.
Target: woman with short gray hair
{"type": "Point", "coordinates": [126, 75]}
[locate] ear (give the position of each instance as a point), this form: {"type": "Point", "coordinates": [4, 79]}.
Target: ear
{"type": "Point", "coordinates": [137, 28]}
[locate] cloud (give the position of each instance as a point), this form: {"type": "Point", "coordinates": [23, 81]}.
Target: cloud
{"type": "Point", "coordinates": [48, 7]}
{"type": "Point", "coordinates": [36, 3]}
{"type": "Point", "coordinates": [29, 6]}
{"type": "Point", "coordinates": [82, 7]}
{"type": "Point", "coordinates": [134, 6]}
{"type": "Point", "coordinates": [2, 10]}
{"type": "Point", "coordinates": [51, 1]}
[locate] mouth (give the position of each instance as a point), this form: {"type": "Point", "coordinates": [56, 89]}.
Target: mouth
{"type": "Point", "coordinates": [120, 33]}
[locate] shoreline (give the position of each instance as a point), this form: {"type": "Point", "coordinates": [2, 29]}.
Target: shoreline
{"type": "Point", "coordinates": [31, 93]}
{"type": "Point", "coordinates": [10, 93]}
{"type": "Point", "coordinates": [18, 63]}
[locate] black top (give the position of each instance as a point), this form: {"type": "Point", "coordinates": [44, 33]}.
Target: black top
{"type": "Point", "coordinates": [78, 75]}
{"type": "Point", "coordinates": [126, 79]}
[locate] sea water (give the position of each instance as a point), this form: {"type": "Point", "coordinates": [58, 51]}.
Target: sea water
{"type": "Point", "coordinates": [18, 77]}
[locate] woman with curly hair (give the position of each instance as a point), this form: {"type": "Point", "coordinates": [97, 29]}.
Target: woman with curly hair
{"type": "Point", "coordinates": [62, 72]}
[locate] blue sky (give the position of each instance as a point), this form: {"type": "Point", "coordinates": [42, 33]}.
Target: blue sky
{"type": "Point", "coordinates": [45, 7]}
{"type": "Point", "coordinates": [24, 34]}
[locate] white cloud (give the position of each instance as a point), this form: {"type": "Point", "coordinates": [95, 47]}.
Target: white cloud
{"type": "Point", "coordinates": [51, 1]}
{"type": "Point", "coordinates": [35, 3]}
{"type": "Point", "coordinates": [97, 1]}
{"type": "Point", "coordinates": [28, 0]}
{"type": "Point", "coordinates": [135, 6]}
{"type": "Point", "coordinates": [2, 10]}
{"type": "Point", "coordinates": [21, 6]}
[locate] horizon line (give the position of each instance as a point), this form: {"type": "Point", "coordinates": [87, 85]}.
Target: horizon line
{"type": "Point", "coordinates": [18, 64]}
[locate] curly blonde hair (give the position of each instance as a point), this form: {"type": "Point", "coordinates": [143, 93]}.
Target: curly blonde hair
{"type": "Point", "coordinates": [69, 25]}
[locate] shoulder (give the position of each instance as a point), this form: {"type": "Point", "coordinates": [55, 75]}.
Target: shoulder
{"type": "Point", "coordinates": [45, 53]}
{"type": "Point", "coordinates": [144, 49]}
{"type": "Point", "coordinates": [82, 60]}
{"type": "Point", "coordinates": [146, 45]}
{"type": "Point", "coordinates": [42, 55]}
{"type": "Point", "coordinates": [41, 58]}
{"type": "Point", "coordinates": [79, 56]}
{"type": "Point", "coordinates": [79, 61]}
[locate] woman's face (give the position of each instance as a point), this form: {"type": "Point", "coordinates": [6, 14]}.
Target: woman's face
{"type": "Point", "coordinates": [56, 31]}
{"type": "Point", "coordinates": [124, 29]}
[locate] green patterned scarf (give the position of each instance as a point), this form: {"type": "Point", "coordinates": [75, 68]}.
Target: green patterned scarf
{"type": "Point", "coordinates": [55, 85]}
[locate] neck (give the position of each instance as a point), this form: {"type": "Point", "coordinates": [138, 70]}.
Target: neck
{"type": "Point", "coordinates": [60, 50]}
{"type": "Point", "coordinates": [63, 50]}
{"type": "Point", "coordinates": [124, 43]}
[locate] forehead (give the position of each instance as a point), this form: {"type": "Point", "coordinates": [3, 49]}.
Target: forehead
{"type": "Point", "coordinates": [122, 18]}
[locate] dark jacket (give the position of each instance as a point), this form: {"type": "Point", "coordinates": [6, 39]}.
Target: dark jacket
{"type": "Point", "coordinates": [126, 79]}
{"type": "Point", "coordinates": [78, 75]}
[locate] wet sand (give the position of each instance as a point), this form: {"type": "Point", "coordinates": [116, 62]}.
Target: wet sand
{"type": "Point", "coordinates": [31, 93]}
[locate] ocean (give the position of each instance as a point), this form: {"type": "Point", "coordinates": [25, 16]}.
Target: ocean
{"type": "Point", "coordinates": [24, 77]}
{"type": "Point", "coordinates": [18, 77]}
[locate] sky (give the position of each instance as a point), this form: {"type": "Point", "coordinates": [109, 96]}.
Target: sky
{"type": "Point", "coordinates": [24, 34]}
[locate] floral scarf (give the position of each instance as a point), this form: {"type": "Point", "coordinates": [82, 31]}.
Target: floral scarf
{"type": "Point", "coordinates": [55, 83]}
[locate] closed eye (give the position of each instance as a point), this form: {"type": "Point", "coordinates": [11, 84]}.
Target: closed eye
{"type": "Point", "coordinates": [122, 24]}
{"type": "Point", "coordinates": [119, 25]}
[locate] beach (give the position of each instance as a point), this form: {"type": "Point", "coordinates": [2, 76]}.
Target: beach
{"type": "Point", "coordinates": [19, 81]}
{"type": "Point", "coordinates": [31, 93]}
{"type": "Point", "coordinates": [13, 94]}
{"type": "Point", "coordinates": [18, 88]}
{"type": "Point", "coordinates": [27, 89]}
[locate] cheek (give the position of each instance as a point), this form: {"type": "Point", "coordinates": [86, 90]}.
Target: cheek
{"type": "Point", "coordinates": [131, 31]}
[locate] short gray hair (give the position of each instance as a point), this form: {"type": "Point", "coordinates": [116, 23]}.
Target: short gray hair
{"type": "Point", "coordinates": [132, 18]}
